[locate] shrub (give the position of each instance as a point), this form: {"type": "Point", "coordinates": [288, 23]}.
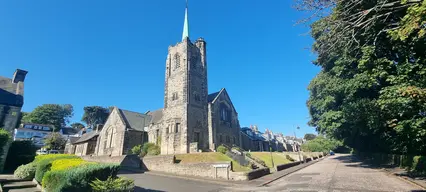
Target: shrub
{"type": "Point", "coordinates": [136, 149]}
{"type": "Point", "coordinates": [78, 178]}
{"type": "Point", "coordinates": [25, 171]}
{"type": "Point", "coordinates": [119, 184]}
{"type": "Point", "coordinates": [4, 138]}
{"type": "Point", "coordinates": [44, 165]}
{"type": "Point", "coordinates": [62, 164]}
{"type": "Point", "coordinates": [20, 153]}
{"type": "Point", "coordinates": [248, 155]}
{"type": "Point", "coordinates": [222, 149]}
{"type": "Point", "coordinates": [155, 150]}
{"type": "Point", "coordinates": [39, 158]}
{"type": "Point", "coordinates": [419, 164]}
{"type": "Point", "coordinates": [146, 146]}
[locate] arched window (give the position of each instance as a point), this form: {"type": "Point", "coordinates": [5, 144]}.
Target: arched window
{"type": "Point", "coordinates": [177, 61]}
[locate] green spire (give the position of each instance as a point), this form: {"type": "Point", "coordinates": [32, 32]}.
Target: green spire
{"type": "Point", "coordinates": [185, 33]}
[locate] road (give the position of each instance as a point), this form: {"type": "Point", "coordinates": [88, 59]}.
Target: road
{"type": "Point", "coordinates": [335, 174]}
{"type": "Point", "coordinates": [158, 183]}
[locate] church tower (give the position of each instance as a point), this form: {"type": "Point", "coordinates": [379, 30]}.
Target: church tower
{"type": "Point", "coordinates": [185, 96]}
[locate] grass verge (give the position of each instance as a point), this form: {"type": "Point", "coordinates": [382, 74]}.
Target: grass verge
{"type": "Point", "coordinates": [209, 157]}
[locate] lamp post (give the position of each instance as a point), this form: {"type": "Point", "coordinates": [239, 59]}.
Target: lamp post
{"type": "Point", "coordinates": [298, 150]}
{"type": "Point", "coordinates": [270, 151]}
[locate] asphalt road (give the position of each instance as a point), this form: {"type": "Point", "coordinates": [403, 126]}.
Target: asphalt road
{"type": "Point", "coordinates": [157, 183]}
{"type": "Point", "coordinates": [334, 174]}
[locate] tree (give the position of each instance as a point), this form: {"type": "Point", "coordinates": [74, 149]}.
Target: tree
{"type": "Point", "coordinates": [77, 126]}
{"type": "Point", "coordinates": [50, 114]}
{"type": "Point", "coordinates": [95, 115]}
{"type": "Point", "coordinates": [371, 90]}
{"type": "Point", "coordinates": [55, 141]}
{"type": "Point", "coordinates": [321, 144]}
{"type": "Point", "coordinates": [309, 136]}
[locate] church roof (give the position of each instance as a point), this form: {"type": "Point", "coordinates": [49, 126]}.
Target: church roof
{"type": "Point", "coordinates": [156, 116]}
{"type": "Point", "coordinates": [86, 137]}
{"type": "Point", "coordinates": [212, 96]}
{"type": "Point", "coordinates": [134, 120]}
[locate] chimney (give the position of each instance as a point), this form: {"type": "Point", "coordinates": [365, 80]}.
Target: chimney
{"type": "Point", "coordinates": [99, 127]}
{"type": "Point", "coordinates": [19, 76]}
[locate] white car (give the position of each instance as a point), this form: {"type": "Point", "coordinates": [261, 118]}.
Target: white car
{"type": "Point", "coordinates": [41, 152]}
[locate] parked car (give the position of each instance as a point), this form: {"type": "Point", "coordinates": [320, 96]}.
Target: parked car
{"type": "Point", "coordinates": [331, 152]}
{"type": "Point", "coordinates": [41, 152]}
{"type": "Point", "coordinates": [53, 152]}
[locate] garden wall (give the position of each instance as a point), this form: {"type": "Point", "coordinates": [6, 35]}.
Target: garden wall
{"type": "Point", "coordinates": [166, 163]}
{"type": "Point", "coordinates": [125, 161]}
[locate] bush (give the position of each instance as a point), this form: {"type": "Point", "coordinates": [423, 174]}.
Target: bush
{"type": "Point", "coordinates": [20, 153]}
{"type": "Point", "coordinates": [419, 164]}
{"type": "Point", "coordinates": [78, 178]}
{"type": "Point", "coordinates": [155, 150]}
{"type": "Point", "coordinates": [119, 184]}
{"type": "Point", "coordinates": [222, 149]}
{"type": "Point", "coordinates": [248, 155]}
{"type": "Point", "coordinates": [62, 164]}
{"type": "Point", "coordinates": [136, 150]}
{"type": "Point", "coordinates": [289, 158]}
{"type": "Point", "coordinates": [150, 149]}
{"type": "Point", "coordinates": [4, 138]}
{"type": "Point", "coordinates": [44, 165]}
{"type": "Point", "coordinates": [39, 158]}
{"type": "Point", "coordinates": [25, 171]}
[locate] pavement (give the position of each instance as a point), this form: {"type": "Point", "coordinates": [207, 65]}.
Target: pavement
{"type": "Point", "coordinates": [336, 173]}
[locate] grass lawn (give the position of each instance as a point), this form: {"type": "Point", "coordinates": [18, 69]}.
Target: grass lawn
{"type": "Point", "coordinates": [266, 157]}
{"type": "Point", "coordinates": [209, 157]}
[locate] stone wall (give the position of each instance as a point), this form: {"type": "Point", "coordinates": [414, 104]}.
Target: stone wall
{"type": "Point", "coordinates": [125, 161]}
{"type": "Point", "coordinates": [165, 163]}
{"type": "Point", "coordinates": [244, 176]}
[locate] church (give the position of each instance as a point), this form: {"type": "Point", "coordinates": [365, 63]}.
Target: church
{"type": "Point", "coordinates": [191, 120]}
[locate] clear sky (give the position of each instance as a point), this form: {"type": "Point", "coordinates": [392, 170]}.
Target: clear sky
{"type": "Point", "coordinates": [105, 52]}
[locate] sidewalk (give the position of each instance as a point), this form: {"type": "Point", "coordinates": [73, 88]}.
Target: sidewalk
{"type": "Point", "coordinates": [403, 174]}
{"type": "Point", "coordinates": [265, 180]}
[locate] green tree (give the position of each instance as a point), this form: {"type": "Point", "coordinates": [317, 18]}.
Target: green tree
{"type": "Point", "coordinates": [95, 115]}
{"type": "Point", "coordinates": [55, 141]}
{"type": "Point", "coordinates": [77, 126]}
{"type": "Point", "coordinates": [371, 90]}
{"type": "Point", "coordinates": [309, 136]}
{"type": "Point", "coordinates": [320, 144]}
{"type": "Point", "coordinates": [50, 114]}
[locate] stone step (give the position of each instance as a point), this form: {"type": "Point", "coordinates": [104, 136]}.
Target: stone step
{"type": "Point", "coordinates": [31, 189]}
{"type": "Point", "coordinates": [18, 185]}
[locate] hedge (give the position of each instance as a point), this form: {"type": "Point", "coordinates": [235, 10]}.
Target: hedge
{"type": "Point", "coordinates": [62, 164]}
{"type": "Point", "coordinates": [20, 153]}
{"type": "Point", "coordinates": [44, 164]}
{"type": "Point", "coordinates": [78, 178]}
{"type": "Point", "coordinates": [25, 171]}
{"type": "Point", "coordinates": [50, 156]}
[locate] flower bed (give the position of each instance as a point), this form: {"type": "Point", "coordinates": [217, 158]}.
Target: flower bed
{"type": "Point", "coordinates": [59, 172]}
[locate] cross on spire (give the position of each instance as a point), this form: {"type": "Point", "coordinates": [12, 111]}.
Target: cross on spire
{"type": "Point", "coordinates": [185, 33]}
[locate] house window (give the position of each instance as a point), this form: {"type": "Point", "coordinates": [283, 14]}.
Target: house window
{"type": "Point", "coordinates": [177, 127]}
{"type": "Point", "coordinates": [224, 114]}
{"type": "Point", "coordinates": [110, 140]}
{"type": "Point", "coordinates": [196, 96]}
{"type": "Point", "coordinates": [220, 138]}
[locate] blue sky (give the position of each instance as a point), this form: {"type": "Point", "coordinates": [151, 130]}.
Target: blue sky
{"type": "Point", "coordinates": [104, 52]}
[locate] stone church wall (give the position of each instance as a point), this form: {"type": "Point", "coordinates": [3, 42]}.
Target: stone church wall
{"type": "Point", "coordinates": [111, 138]}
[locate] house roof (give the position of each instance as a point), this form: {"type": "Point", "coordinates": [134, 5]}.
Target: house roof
{"type": "Point", "coordinates": [33, 130]}
{"type": "Point", "coordinates": [212, 96]}
{"type": "Point", "coordinates": [69, 131]}
{"type": "Point", "coordinates": [72, 140]}
{"type": "Point", "coordinates": [156, 116]}
{"type": "Point", "coordinates": [86, 137]}
{"type": "Point", "coordinates": [134, 120]}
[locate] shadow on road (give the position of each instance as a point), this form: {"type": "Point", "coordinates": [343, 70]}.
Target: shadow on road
{"type": "Point", "coordinates": [353, 161]}
{"type": "Point", "coordinates": [139, 189]}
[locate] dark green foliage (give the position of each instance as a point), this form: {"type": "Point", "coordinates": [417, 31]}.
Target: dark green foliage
{"type": "Point", "coordinates": [419, 164]}
{"type": "Point", "coordinates": [94, 115]}
{"type": "Point", "coordinates": [77, 126]}
{"type": "Point", "coordinates": [50, 114]}
{"type": "Point", "coordinates": [309, 136]}
{"type": "Point", "coordinates": [320, 144]}
{"type": "Point", "coordinates": [222, 149]}
{"type": "Point", "coordinates": [136, 150]}
{"type": "Point", "coordinates": [55, 141]}
{"type": "Point", "coordinates": [20, 153]}
{"type": "Point", "coordinates": [79, 178]}
{"type": "Point", "coordinates": [371, 90]}
{"type": "Point", "coordinates": [119, 184]}
{"type": "Point", "coordinates": [4, 138]}
{"type": "Point", "coordinates": [44, 165]}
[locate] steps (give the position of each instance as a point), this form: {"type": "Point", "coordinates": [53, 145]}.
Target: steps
{"type": "Point", "coordinates": [19, 186]}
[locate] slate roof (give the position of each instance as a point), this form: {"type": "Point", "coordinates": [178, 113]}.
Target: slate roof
{"type": "Point", "coordinates": [156, 116]}
{"type": "Point", "coordinates": [212, 96]}
{"type": "Point", "coordinates": [72, 140]}
{"type": "Point", "coordinates": [134, 120]}
{"type": "Point", "coordinates": [87, 137]}
{"type": "Point", "coordinates": [69, 131]}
